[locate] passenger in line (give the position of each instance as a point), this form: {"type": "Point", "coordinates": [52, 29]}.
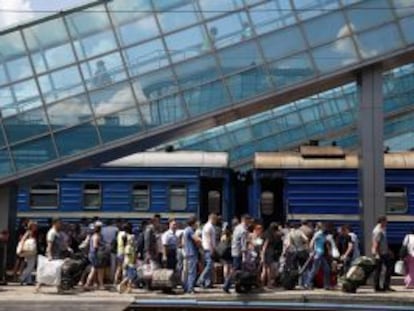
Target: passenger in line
{"type": "Point", "coordinates": [408, 242]}
{"type": "Point", "coordinates": [170, 245]}
{"type": "Point", "coordinates": [210, 40]}
{"type": "Point", "coordinates": [247, 32]}
{"type": "Point", "coordinates": [29, 252]}
{"type": "Point", "coordinates": [208, 239]}
{"type": "Point", "coordinates": [382, 255]}
{"type": "Point", "coordinates": [346, 248]}
{"type": "Point", "coordinates": [191, 243]}
{"type": "Point", "coordinates": [317, 246]}
{"type": "Point", "coordinates": [101, 76]}
{"type": "Point", "coordinates": [97, 252]}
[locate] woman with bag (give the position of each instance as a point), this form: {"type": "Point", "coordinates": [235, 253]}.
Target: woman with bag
{"type": "Point", "coordinates": [408, 244]}
{"type": "Point", "coordinates": [97, 258]}
{"type": "Point", "coordinates": [28, 250]}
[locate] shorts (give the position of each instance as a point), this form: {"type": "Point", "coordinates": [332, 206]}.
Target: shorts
{"type": "Point", "coordinates": [131, 273]}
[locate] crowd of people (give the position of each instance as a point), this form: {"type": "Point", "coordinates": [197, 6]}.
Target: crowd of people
{"type": "Point", "coordinates": [205, 255]}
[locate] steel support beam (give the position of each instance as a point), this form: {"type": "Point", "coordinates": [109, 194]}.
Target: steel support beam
{"type": "Point", "coordinates": [371, 162]}
{"type": "Point", "coordinates": [8, 204]}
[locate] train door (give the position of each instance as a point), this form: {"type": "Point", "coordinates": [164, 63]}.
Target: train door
{"type": "Point", "coordinates": [271, 201]}
{"type": "Point", "coordinates": [211, 197]}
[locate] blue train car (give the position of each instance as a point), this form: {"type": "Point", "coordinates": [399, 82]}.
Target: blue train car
{"type": "Point", "coordinates": [321, 184]}
{"type": "Point", "coordinates": [177, 184]}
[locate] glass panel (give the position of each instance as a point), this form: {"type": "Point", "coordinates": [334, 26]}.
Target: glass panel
{"type": "Point", "coordinates": [197, 71]}
{"type": "Point", "coordinates": [359, 18]}
{"type": "Point", "coordinates": [2, 142]}
{"type": "Point", "coordinates": [403, 7]}
{"type": "Point", "coordinates": [146, 57]}
{"type": "Point", "coordinates": [92, 196]}
{"type": "Point", "coordinates": [311, 8]}
{"type": "Point", "coordinates": [178, 197]}
{"type": "Point", "coordinates": [206, 98]}
{"type": "Point", "coordinates": [242, 135]}
{"type": "Point", "coordinates": [19, 68]}
{"type": "Point", "coordinates": [333, 56]}
{"type": "Point", "coordinates": [76, 139]}
{"type": "Point", "coordinates": [272, 15]}
{"type": "Point", "coordinates": [211, 8]}
{"type": "Point", "coordinates": [282, 43]}
{"type": "Point", "coordinates": [229, 30]}
{"type": "Point", "coordinates": [318, 33]}
{"type": "Point", "coordinates": [396, 200]}
{"type": "Point", "coordinates": [239, 57]}
{"type": "Point", "coordinates": [112, 98]}
{"type": "Point", "coordinates": [154, 85]}
{"type": "Point", "coordinates": [163, 111]}
{"type": "Point", "coordinates": [119, 125]}
{"type": "Point", "coordinates": [131, 31]}
{"type": "Point", "coordinates": [49, 44]}
{"type": "Point", "coordinates": [176, 16]}
{"type": "Point", "coordinates": [33, 153]}
{"type": "Point", "coordinates": [249, 83]}
{"type": "Point", "coordinates": [181, 47]}
{"type": "Point", "coordinates": [20, 97]}
{"type": "Point", "coordinates": [133, 20]}
{"type": "Point", "coordinates": [372, 43]}
{"type": "Point", "coordinates": [25, 125]}
{"type": "Point", "coordinates": [140, 197]}
{"type": "Point", "coordinates": [91, 31]}
{"type": "Point", "coordinates": [292, 70]}
{"type": "Point", "coordinates": [266, 203]}
{"type": "Point", "coordinates": [60, 84]}
{"type": "Point", "coordinates": [214, 202]}
{"type": "Point", "coordinates": [103, 71]}
{"type": "Point", "coordinates": [11, 46]}
{"type": "Point", "coordinates": [5, 164]}
{"type": "Point", "coordinates": [69, 112]}
{"type": "Point", "coordinates": [44, 195]}
{"type": "Point", "coordinates": [3, 78]}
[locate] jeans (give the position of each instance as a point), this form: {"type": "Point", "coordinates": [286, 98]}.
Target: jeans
{"type": "Point", "coordinates": [172, 259]}
{"type": "Point", "coordinates": [237, 266]}
{"type": "Point", "coordinates": [190, 273]}
{"type": "Point", "coordinates": [319, 260]}
{"type": "Point", "coordinates": [206, 275]}
{"type": "Point", "coordinates": [26, 276]}
{"type": "Point", "coordinates": [388, 262]}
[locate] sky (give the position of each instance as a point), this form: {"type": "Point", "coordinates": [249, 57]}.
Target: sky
{"type": "Point", "coordinates": [9, 14]}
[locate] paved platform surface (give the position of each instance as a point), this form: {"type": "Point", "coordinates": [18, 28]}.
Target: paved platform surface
{"type": "Point", "coordinates": [14, 297]}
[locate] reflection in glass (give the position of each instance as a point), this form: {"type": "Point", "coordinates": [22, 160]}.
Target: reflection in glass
{"type": "Point", "coordinates": [282, 43]}
{"type": "Point", "coordinates": [112, 98]}
{"type": "Point", "coordinates": [334, 56]}
{"type": "Point", "coordinates": [154, 85]}
{"type": "Point", "coordinates": [5, 164]}
{"type": "Point", "coordinates": [61, 83]}
{"type": "Point", "coordinates": [229, 30]}
{"type": "Point", "coordinates": [206, 98]}
{"type": "Point", "coordinates": [25, 125]}
{"type": "Point", "coordinates": [211, 8]}
{"type": "Point", "coordinates": [372, 42]}
{"type": "Point", "coordinates": [103, 71]}
{"type": "Point", "coordinates": [119, 125]}
{"type": "Point", "coordinates": [163, 111]}
{"type": "Point", "coordinates": [69, 112]}
{"type": "Point", "coordinates": [18, 68]}
{"type": "Point", "coordinates": [238, 57]}
{"type": "Point", "coordinates": [49, 45]}
{"type": "Point", "coordinates": [146, 57]}
{"type": "Point", "coordinates": [310, 8]}
{"type": "Point", "coordinates": [76, 139]}
{"type": "Point", "coordinates": [180, 47]}
{"type": "Point", "coordinates": [175, 17]}
{"type": "Point", "coordinates": [196, 71]}
{"type": "Point", "coordinates": [359, 18]}
{"type": "Point", "coordinates": [33, 153]}
{"type": "Point", "coordinates": [272, 15]}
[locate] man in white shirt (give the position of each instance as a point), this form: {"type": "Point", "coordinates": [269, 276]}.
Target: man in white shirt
{"type": "Point", "coordinates": [170, 244]}
{"type": "Point", "coordinates": [208, 242]}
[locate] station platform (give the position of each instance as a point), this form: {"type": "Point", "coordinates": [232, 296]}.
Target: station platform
{"type": "Point", "coordinates": [13, 297]}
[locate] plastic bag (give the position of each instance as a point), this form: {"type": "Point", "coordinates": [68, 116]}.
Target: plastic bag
{"type": "Point", "coordinates": [30, 247]}
{"type": "Point", "coordinates": [399, 267]}
{"type": "Point", "coordinates": [48, 271]}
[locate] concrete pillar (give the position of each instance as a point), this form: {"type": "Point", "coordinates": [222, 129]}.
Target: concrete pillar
{"type": "Point", "coordinates": [8, 208]}
{"type": "Point", "coordinates": [371, 155]}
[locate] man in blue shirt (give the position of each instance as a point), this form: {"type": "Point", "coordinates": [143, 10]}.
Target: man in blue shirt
{"type": "Point", "coordinates": [317, 246]}
{"type": "Point", "coordinates": [190, 246]}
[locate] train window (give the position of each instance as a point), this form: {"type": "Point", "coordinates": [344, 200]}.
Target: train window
{"type": "Point", "coordinates": [44, 195]}
{"type": "Point", "coordinates": [214, 200]}
{"type": "Point", "coordinates": [140, 197]}
{"type": "Point", "coordinates": [92, 196]}
{"type": "Point", "coordinates": [178, 197]}
{"type": "Point", "coordinates": [266, 202]}
{"type": "Point", "coordinates": [396, 200]}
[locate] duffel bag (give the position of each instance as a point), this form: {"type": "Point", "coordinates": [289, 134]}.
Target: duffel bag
{"type": "Point", "coordinates": [163, 279]}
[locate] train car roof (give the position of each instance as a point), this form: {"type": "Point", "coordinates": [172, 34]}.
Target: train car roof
{"type": "Point", "coordinates": [172, 159]}
{"type": "Point", "coordinates": [322, 160]}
